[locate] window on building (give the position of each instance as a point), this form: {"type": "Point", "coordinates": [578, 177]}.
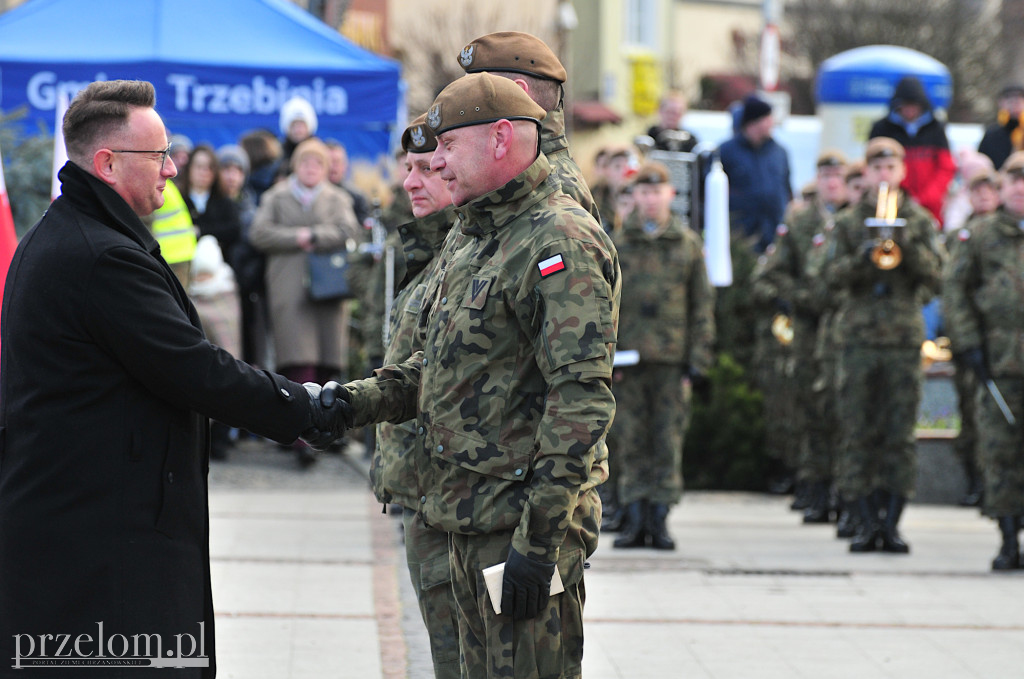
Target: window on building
{"type": "Point", "coordinates": [641, 23]}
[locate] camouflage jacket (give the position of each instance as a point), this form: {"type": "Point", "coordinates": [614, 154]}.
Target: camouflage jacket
{"type": "Point", "coordinates": [372, 314]}
{"type": "Point", "coordinates": [670, 316]}
{"type": "Point", "coordinates": [983, 292]}
{"type": "Point", "coordinates": [787, 269]}
{"type": "Point", "coordinates": [554, 145]}
{"type": "Point", "coordinates": [397, 461]}
{"type": "Point", "coordinates": [877, 307]}
{"type": "Point", "coordinates": [514, 382]}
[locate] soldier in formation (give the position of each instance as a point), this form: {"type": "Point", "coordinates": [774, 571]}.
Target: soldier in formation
{"type": "Point", "coordinates": [984, 300]}
{"type": "Point", "coordinates": [669, 323]}
{"type": "Point", "coordinates": [395, 468]}
{"type": "Point", "coordinates": [787, 280]}
{"type": "Point", "coordinates": [880, 275]}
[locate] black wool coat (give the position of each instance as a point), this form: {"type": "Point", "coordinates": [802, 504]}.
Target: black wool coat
{"type": "Point", "coordinates": [106, 384]}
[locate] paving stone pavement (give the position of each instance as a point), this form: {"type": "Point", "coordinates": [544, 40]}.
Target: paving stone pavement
{"type": "Point", "coordinates": [310, 581]}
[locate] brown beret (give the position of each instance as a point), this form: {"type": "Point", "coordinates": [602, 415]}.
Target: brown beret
{"type": "Point", "coordinates": [651, 173]}
{"type": "Point", "coordinates": [884, 147]}
{"type": "Point", "coordinates": [831, 158]}
{"type": "Point", "coordinates": [984, 176]}
{"type": "Point", "coordinates": [1014, 164]}
{"type": "Point", "coordinates": [481, 98]}
{"type": "Point", "coordinates": [418, 138]}
{"type": "Point", "coordinates": [514, 52]}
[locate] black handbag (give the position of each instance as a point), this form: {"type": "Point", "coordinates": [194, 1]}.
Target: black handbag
{"type": "Point", "coordinates": [327, 276]}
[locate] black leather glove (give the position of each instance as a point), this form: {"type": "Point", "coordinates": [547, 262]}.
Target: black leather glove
{"type": "Point", "coordinates": [526, 586]}
{"type": "Point", "coordinates": [329, 423]}
{"type": "Point", "coordinates": [783, 306]}
{"type": "Point", "coordinates": [974, 358]}
{"type": "Point", "coordinates": [700, 385]}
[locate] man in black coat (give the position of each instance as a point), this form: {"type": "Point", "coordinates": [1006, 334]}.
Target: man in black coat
{"type": "Point", "coordinates": [106, 387]}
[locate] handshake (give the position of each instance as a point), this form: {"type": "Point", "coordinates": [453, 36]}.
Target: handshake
{"type": "Point", "coordinates": [330, 415]}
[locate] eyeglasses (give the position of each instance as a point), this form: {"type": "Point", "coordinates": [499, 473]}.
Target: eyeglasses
{"type": "Point", "coordinates": [163, 154]}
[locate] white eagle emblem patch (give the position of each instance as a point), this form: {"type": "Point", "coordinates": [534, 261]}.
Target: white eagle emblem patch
{"type": "Point", "coordinates": [434, 116]}
{"type": "Point", "coordinates": [417, 136]}
{"type": "Point", "coordinates": [466, 55]}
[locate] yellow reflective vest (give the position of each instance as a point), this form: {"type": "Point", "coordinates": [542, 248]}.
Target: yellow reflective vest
{"type": "Point", "coordinates": [173, 229]}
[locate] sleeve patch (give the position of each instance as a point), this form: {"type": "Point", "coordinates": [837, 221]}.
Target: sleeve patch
{"type": "Point", "coordinates": [781, 230]}
{"type": "Point", "coordinates": [551, 265]}
{"type": "Point", "coordinates": [963, 234]}
{"type": "Point", "coordinates": [818, 240]}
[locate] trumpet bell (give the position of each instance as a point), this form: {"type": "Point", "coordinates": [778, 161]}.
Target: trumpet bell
{"type": "Point", "coordinates": [782, 329]}
{"type": "Point", "coordinates": [887, 255]}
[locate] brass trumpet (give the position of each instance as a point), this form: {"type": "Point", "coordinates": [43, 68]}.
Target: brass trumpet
{"type": "Point", "coordinates": [886, 254]}
{"type": "Point", "coordinates": [782, 329]}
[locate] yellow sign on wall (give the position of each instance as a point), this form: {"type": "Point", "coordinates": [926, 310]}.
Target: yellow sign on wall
{"type": "Point", "coordinates": [646, 83]}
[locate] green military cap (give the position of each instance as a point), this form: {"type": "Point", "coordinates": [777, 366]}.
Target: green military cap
{"type": "Point", "coordinates": [831, 158]}
{"type": "Point", "coordinates": [481, 98]}
{"type": "Point", "coordinates": [1014, 164]}
{"type": "Point", "coordinates": [514, 52]}
{"type": "Point", "coordinates": [651, 173]}
{"type": "Point", "coordinates": [418, 138]}
{"type": "Point", "coordinates": [884, 147]}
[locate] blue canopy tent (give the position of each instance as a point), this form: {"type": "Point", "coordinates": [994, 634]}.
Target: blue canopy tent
{"type": "Point", "coordinates": [220, 67]}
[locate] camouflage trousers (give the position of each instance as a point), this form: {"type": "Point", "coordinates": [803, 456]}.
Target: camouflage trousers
{"type": "Point", "coordinates": [879, 389]}
{"type": "Point", "coordinates": [651, 414]}
{"type": "Point", "coordinates": [965, 445]}
{"type": "Point", "coordinates": [549, 646]}
{"type": "Point", "coordinates": [814, 411]}
{"type": "Point", "coordinates": [1001, 449]}
{"type": "Point", "coordinates": [426, 552]}
{"type": "Point", "coordinates": [774, 375]}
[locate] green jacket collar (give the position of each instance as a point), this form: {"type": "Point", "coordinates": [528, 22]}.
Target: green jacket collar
{"type": "Point", "coordinates": [552, 133]}
{"type": "Point", "coordinates": [501, 206]}
{"type": "Point", "coordinates": [633, 228]}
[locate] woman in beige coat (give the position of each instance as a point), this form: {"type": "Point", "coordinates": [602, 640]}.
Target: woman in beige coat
{"type": "Point", "coordinates": [304, 213]}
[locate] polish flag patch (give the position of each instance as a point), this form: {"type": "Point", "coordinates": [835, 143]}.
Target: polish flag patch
{"type": "Point", "coordinates": [551, 265]}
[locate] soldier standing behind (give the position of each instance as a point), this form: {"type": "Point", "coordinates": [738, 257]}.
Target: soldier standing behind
{"type": "Point", "coordinates": [984, 301]}
{"type": "Point", "coordinates": [670, 322]}
{"type": "Point", "coordinates": [879, 372]}
{"type": "Point", "coordinates": [786, 279]}
{"type": "Point", "coordinates": [395, 468]}
{"type": "Point", "coordinates": [512, 390]}
{"type": "Point", "coordinates": [527, 61]}
{"type": "Point", "coordinates": [983, 193]}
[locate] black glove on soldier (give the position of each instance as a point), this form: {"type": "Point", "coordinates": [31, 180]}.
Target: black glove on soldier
{"type": "Point", "coordinates": [526, 586]}
{"type": "Point", "coordinates": [328, 423]}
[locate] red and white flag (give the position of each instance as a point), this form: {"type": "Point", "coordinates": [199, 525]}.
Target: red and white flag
{"type": "Point", "coordinates": [551, 265]}
{"type": "Point", "coordinates": [60, 153]}
{"type": "Point", "coordinates": [8, 237]}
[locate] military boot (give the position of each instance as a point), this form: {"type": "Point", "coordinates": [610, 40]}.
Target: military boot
{"type": "Point", "coordinates": [846, 525]}
{"type": "Point", "coordinates": [801, 496]}
{"type": "Point", "coordinates": [656, 528]}
{"type": "Point", "coordinates": [972, 496]}
{"type": "Point", "coordinates": [634, 533]}
{"type": "Point", "coordinates": [1008, 558]}
{"type": "Point", "coordinates": [612, 514]}
{"type": "Point", "coordinates": [868, 531]}
{"type": "Point", "coordinates": [891, 540]}
{"type": "Point", "coordinates": [819, 510]}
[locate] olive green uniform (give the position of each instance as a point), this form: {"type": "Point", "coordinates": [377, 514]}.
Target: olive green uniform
{"type": "Point", "coordinates": [983, 300]}
{"type": "Point", "coordinates": [879, 320]}
{"type": "Point", "coordinates": [397, 461]}
{"type": "Point", "coordinates": [511, 396]}
{"type": "Point", "coordinates": [670, 321]}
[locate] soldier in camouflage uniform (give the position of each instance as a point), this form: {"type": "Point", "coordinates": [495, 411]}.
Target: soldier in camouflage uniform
{"type": "Point", "coordinates": [395, 468]}
{"type": "Point", "coordinates": [532, 65]}
{"type": "Point", "coordinates": [983, 297]}
{"type": "Point", "coordinates": [670, 322]}
{"type": "Point", "coordinates": [882, 328]}
{"type": "Point", "coordinates": [983, 195]}
{"type": "Point", "coordinates": [784, 278]}
{"type": "Point", "coordinates": [511, 393]}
